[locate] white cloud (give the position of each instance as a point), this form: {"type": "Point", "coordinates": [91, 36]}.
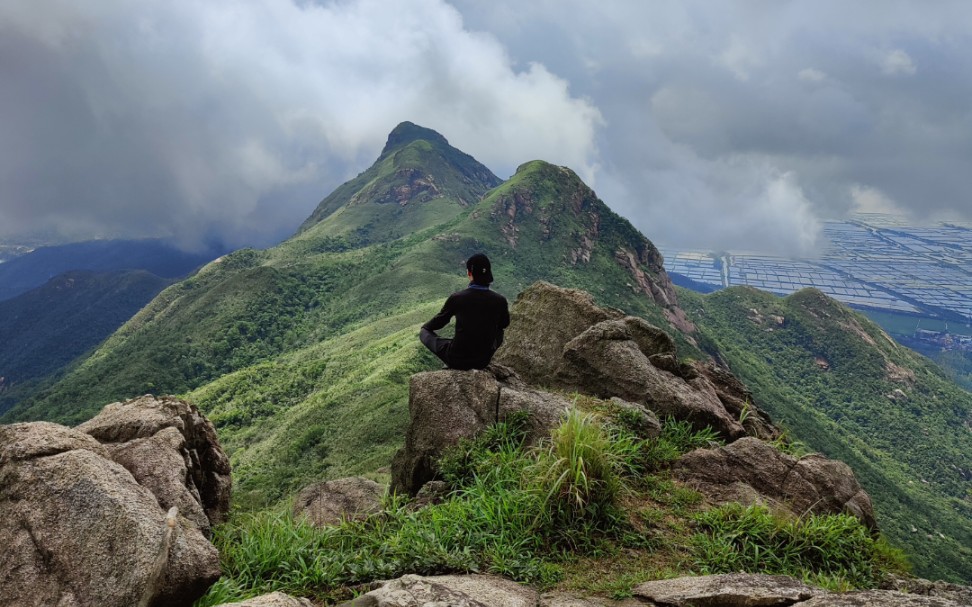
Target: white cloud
{"type": "Point", "coordinates": [872, 200]}
{"type": "Point", "coordinates": [234, 119]}
{"type": "Point", "coordinates": [898, 62]}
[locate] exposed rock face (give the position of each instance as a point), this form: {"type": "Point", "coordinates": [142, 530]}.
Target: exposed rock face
{"type": "Point", "coordinates": [445, 406]}
{"type": "Point", "coordinates": [878, 598]}
{"type": "Point", "coordinates": [171, 449]}
{"type": "Point", "coordinates": [542, 320]}
{"type": "Point", "coordinates": [331, 502]}
{"type": "Point", "coordinates": [560, 337]}
{"type": "Point", "coordinates": [447, 591]}
{"type": "Point", "coordinates": [79, 531]}
{"type": "Point", "coordinates": [274, 599]}
{"type": "Point", "coordinates": [916, 586]}
{"type": "Point", "coordinates": [606, 360]}
{"type": "Point", "coordinates": [747, 590]}
{"type": "Point", "coordinates": [735, 590]}
{"type": "Point", "coordinates": [747, 468]}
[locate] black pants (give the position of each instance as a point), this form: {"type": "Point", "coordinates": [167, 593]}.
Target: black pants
{"type": "Point", "coordinates": [438, 345]}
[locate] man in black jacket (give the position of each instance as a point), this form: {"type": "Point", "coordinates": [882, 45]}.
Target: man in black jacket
{"type": "Point", "coordinates": [481, 315]}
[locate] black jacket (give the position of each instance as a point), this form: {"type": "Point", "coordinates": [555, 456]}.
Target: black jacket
{"type": "Point", "coordinates": [481, 315]}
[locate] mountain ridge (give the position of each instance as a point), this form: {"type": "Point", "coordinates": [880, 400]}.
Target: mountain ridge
{"type": "Point", "coordinates": [300, 353]}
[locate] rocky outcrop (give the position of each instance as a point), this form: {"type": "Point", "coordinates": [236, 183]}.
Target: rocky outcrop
{"type": "Point", "coordinates": [735, 590]}
{"type": "Point", "coordinates": [446, 406]}
{"type": "Point", "coordinates": [331, 502]}
{"type": "Point", "coordinates": [731, 590]}
{"type": "Point", "coordinates": [561, 338]}
{"type": "Point", "coordinates": [542, 320]}
{"type": "Point", "coordinates": [750, 470]}
{"type": "Point", "coordinates": [607, 360]}
{"type": "Point", "coordinates": [447, 590]}
{"type": "Point", "coordinates": [171, 449]}
{"type": "Point", "coordinates": [878, 598]}
{"type": "Point", "coordinates": [78, 530]}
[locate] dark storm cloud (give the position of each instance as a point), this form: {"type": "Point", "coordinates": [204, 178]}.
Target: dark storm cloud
{"type": "Point", "coordinates": [743, 124]}
{"type": "Point", "coordinates": [231, 120]}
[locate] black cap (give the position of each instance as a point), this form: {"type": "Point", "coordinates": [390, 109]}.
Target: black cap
{"type": "Point", "coordinates": [478, 264]}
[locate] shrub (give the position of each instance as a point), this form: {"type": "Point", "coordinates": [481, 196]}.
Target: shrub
{"type": "Point", "coordinates": [833, 550]}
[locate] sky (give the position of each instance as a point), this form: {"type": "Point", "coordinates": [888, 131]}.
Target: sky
{"type": "Point", "coordinates": [723, 125]}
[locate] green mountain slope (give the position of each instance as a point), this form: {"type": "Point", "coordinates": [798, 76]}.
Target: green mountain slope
{"type": "Point", "coordinates": [844, 387]}
{"type": "Point", "coordinates": [301, 354]}
{"type": "Point", "coordinates": [43, 330]}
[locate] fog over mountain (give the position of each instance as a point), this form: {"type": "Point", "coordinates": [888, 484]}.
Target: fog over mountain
{"type": "Point", "coordinates": [715, 124]}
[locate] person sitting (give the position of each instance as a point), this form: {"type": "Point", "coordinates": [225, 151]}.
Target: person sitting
{"type": "Point", "coordinates": [481, 316]}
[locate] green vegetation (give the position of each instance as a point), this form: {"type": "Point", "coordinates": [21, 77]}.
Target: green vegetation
{"type": "Point", "coordinates": [301, 354]}
{"type": "Point", "coordinates": [503, 517]}
{"type": "Point", "coordinates": [845, 388]}
{"type": "Point", "coordinates": [831, 550]}
{"type": "Point", "coordinates": [43, 330]}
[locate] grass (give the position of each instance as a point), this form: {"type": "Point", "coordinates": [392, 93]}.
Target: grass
{"type": "Point", "coordinates": [834, 551]}
{"type": "Point", "coordinates": [589, 509]}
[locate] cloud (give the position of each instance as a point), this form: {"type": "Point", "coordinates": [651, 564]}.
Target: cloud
{"type": "Point", "coordinates": [898, 62]}
{"type": "Point", "coordinates": [226, 120]}
{"type": "Point", "coordinates": [705, 121]}
{"type": "Point", "coordinates": [707, 104]}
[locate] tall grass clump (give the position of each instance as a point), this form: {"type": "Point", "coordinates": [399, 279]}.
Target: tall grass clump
{"type": "Point", "coordinates": [834, 550]}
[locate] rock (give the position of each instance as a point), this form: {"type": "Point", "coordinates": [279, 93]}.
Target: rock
{"type": "Point", "coordinates": [732, 590]}
{"type": "Point", "coordinates": [810, 484]}
{"type": "Point", "coordinates": [274, 599]}
{"type": "Point", "coordinates": [917, 586]}
{"type": "Point", "coordinates": [737, 400]}
{"type": "Point", "coordinates": [606, 361]}
{"type": "Point", "coordinates": [645, 423]}
{"type": "Point", "coordinates": [562, 599]}
{"type": "Point", "coordinates": [172, 449]}
{"type": "Point", "coordinates": [878, 598]}
{"type": "Point", "coordinates": [446, 406]}
{"type": "Point", "coordinates": [331, 502]}
{"type": "Point", "coordinates": [78, 530]}
{"type": "Point", "coordinates": [543, 319]}
{"type": "Point", "coordinates": [431, 493]}
{"type": "Point", "coordinates": [447, 591]}
{"type": "Point", "coordinates": [651, 340]}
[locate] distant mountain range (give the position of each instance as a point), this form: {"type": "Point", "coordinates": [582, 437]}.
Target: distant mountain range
{"type": "Point", "coordinates": [43, 330]}
{"type": "Point", "coordinates": [301, 354]}
{"type": "Point", "coordinates": [159, 257]}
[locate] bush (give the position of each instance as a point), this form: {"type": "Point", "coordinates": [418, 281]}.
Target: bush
{"type": "Point", "coordinates": [831, 550]}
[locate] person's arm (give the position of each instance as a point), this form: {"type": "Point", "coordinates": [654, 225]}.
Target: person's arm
{"type": "Point", "coordinates": [442, 318]}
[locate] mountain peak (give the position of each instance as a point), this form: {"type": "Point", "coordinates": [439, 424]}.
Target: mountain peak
{"type": "Point", "coordinates": [407, 132]}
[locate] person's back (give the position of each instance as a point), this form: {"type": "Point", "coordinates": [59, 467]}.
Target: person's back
{"type": "Point", "coordinates": [481, 316]}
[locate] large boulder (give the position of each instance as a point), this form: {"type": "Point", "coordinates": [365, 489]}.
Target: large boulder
{"type": "Point", "coordinates": [543, 319]}
{"type": "Point", "coordinates": [446, 406]}
{"type": "Point", "coordinates": [878, 598]}
{"type": "Point", "coordinates": [561, 338]}
{"type": "Point", "coordinates": [331, 502]}
{"type": "Point", "coordinates": [79, 531]}
{"type": "Point", "coordinates": [607, 360]}
{"type": "Point", "coordinates": [448, 590]}
{"type": "Point", "coordinates": [751, 470]}
{"type": "Point", "coordinates": [733, 590]}
{"type": "Point", "coordinates": [171, 449]}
